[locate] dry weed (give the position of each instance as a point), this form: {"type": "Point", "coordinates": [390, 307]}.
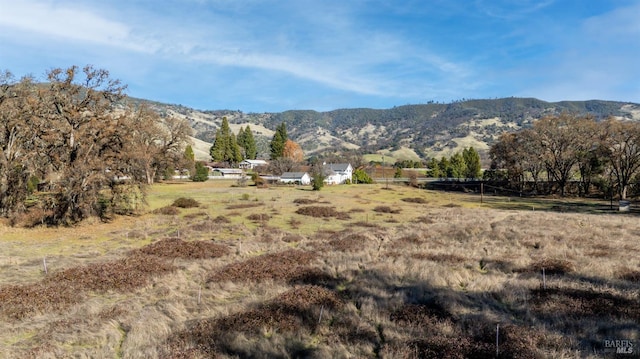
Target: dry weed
{"type": "Point", "coordinates": [551, 266]}
{"type": "Point", "coordinates": [275, 266]}
{"type": "Point", "coordinates": [322, 212]}
{"type": "Point", "coordinates": [177, 248]}
{"type": "Point", "coordinates": [414, 200]}
{"type": "Point", "coordinates": [184, 202]}
{"type": "Point", "coordinates": [296, 312]}
{"type": "Point", "coordinates": [258, 217]}
{"type": "Point", "coordinates": [386, 209]}
{"type": "Point", "coordinates": [304, 201]}
{"type": "Point", "coordinates": [167, 211]}
{"type": "Point", "coordinates": [60, 290]}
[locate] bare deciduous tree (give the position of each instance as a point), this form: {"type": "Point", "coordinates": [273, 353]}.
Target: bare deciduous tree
{"type": "Point", "coordinates": [622, 150]}
{"type": "Point", "coordinates": [18, 117]}
{"type": "Point", "coordinates": [155, 144]}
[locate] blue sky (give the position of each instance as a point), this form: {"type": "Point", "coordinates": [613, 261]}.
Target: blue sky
{"type": "Point", "coordinates": [275, 55]}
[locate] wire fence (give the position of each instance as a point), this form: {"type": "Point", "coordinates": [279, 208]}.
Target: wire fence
{"type": "Point", "coordinates": [497, 196]}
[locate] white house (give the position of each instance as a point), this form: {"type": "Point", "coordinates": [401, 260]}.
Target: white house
{"type": "Point", "coordinates": [251, 164]}
{"type": "Point", "coordinates": [302, 178]}
{"type": "Point", "coordinates": [337, 173]}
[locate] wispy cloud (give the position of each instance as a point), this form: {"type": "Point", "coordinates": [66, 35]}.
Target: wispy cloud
{"type": "Point", "coordinates": [374, 52]}
{"type": "Point", "coordinates": [59, 21]}
{"type": "Point", "coordinates": [510, 9]}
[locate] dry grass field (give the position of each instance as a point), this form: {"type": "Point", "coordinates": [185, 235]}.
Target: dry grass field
{"type": "Point", "coordinates": [347, 272]}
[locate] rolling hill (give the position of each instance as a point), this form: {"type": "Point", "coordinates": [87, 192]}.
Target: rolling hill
{"type": "Point", "coordinates": [405, 132]}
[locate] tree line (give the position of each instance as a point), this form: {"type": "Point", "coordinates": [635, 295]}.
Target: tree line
{"type": "Point", "coordinates": [74, 136]}
{"type": "Point", "coordinates": [228, 148]}
{"type": "Point", "coordinates": [559, 150]}
{"type": "Point", "coordinates": [463, 164]}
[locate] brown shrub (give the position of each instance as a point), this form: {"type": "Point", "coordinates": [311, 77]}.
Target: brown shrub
{"type": "Point", "coordinates": [313, 276]}
{"type": "Point", "coordinates": [20, 301]}
{"type": "Point", "coordinates": [221, 220]}
{"type": "Point", "coordinates": [167, 211]}
{"type": "Point", "coordinates": [62, 289]}
{"type": "Point", "coordinates": [295, 311]}
{"type": "Point", "coordinates": [419, 315]}
{"type": "Point", "coordinates": [34, 216]}
{"type": "Point", "coordinates": [550, 266]}
{"type": "Point", "coordinates": [580, 303]}
{"type": "Point", "coordinates": [275, 266]}
{"type": "Point", "coordinates": [322, 212]}
{"type": "Point", "coordinates": [177, 248]}
{"type": "Point", "coordinates": [468, 339]}
{"type": "Point", "coordinates": [386, 209]}
{"type": "Point", "coordinates": [414, 200]}
{"type": "Point", "coordinates": [125, 274]}
{"type": "Point", "coordinates": [258, 217]}
{"type": "Point", "coordinates": [184, 202]}
{"type": "Point", "coordinates": [304, 201]}
{"type": "Point", "coordinates": [349, 242]}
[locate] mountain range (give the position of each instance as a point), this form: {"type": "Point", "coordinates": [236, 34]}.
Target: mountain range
{"type": "Point", "coordinates": [403, 132]}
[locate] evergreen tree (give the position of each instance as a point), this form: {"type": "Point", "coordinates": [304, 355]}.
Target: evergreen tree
{"type": "Point", "coordinates": [240, 140]}
{"type": "Point", "coordinates": [434, 168]}
{"type": "Point", "coordinates": [233, 150]}
{"type": "Point", "coordinates": [189, 159]}
{"type": "Point", "coordinates": [472, 163]}
{"type": "Point", "coordinates": [249, 144]}
{"type": "Point", "coordinates": [201, 173]}
{"type": "Point", "coordinates": [278, 141]}
{"type": "Point", "coordinates": [188, 153]}
{"type": "Point", "coordinates": [225, 148]}
{"type": "Point", "coordinates": [361, 177]}
{"type": "Point", "coordinates": [443, 166]}
{"type": "Point", "coordinates": [457, 167]}
{"type": "Point", "coordinates": [218, 148]}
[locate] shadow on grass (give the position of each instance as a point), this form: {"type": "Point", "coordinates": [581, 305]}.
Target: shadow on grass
{"type": "Point", "coordinates": [379, 314]}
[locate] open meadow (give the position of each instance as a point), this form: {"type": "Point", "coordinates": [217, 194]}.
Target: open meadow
{"type": "Point", "coordinates": [351, 271]}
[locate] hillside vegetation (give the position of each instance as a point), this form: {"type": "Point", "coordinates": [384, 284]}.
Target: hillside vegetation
{"type": "Point", "coordinates": [214, 270]}
{"type": "Point", "coordinates": [427, 130]}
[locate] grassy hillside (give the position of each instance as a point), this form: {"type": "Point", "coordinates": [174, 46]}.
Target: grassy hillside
{"type": "Point", "coordinates": [426, 130]}
{"type": "Point", "coordinates": [350, 271]}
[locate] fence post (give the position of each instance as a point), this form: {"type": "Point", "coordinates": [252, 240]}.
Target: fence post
{"type": "Point", "coordinates": [497, 340]}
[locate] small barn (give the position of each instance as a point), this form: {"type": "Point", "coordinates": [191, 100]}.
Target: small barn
{"type": "Point", "coordinates": [302, 178]}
